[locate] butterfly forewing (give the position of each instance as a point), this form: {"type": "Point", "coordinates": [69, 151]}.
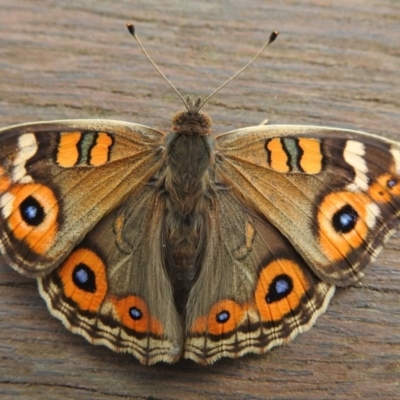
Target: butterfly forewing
{"type": "Point", "coordinates": [58, 179]}
{"type": "Point", "coordinates": [333, 193]}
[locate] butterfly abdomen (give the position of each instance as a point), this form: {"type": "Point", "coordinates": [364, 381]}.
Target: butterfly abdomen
{"type": "Point", "coordinates": [186, 184]}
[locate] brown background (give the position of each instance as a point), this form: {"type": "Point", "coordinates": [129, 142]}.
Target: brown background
{"type": "Point", "coordinates": [335, 63]}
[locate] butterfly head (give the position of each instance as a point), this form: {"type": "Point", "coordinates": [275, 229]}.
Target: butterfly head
{"type": "Point", "coordinates": [191, 122]}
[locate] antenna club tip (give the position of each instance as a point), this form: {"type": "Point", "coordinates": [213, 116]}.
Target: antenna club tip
{"type": "Point", "coordinates": [131, 28]}
{"type": "Point", "coordinates": [273, 36]}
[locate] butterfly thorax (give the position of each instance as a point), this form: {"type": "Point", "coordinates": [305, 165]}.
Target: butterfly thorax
{"type": "Point", "coordinates": [187, 185]}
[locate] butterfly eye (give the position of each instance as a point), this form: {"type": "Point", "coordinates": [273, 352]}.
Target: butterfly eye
{"type": "Point", "coordinates": [345, 219]}
{"type": "Point", "coordinates": [280, 287]}
{"type": "Point", "coordinates": [84, 278]}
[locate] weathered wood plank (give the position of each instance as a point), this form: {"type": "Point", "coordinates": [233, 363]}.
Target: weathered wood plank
{"type": "Point", "coordinates": [333, 64]}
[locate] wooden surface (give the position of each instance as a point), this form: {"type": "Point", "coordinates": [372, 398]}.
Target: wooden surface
{"type": "Point", "coordinates": [335, 63]}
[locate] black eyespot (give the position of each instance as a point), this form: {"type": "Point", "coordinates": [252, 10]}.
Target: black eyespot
{"type": "Point", "coordinates": [280, 287]}
{"type": "Point", "coordinates": [84, 278]}
{"type": "Point", "coordinates": [345, 219]}
{"type": "Point", "coordinates": [223, 317]}
{"type": "Point", "coordinates": [135, 313]}
{"type": "Point", "coordinates": [31, 211]}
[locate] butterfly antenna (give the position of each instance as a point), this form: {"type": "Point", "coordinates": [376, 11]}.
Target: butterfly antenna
{"type": "Point", "coordinates": [131, 30]}
{"type": "Point", "coordinates": [271, 39]}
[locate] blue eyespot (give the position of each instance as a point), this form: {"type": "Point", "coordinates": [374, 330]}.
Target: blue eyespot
{"type": "Point", "coordinates": [223, 317]}
{"type": "Point", "coordinates": [280, 287]}
{"type": "Point", "coordinates": [31, 211]}
{"type": "Point", "coordinates": [135, 313]}
{"type": "Point", "coordinates": [345, 219]}
{"type": "Point", "coordinates": [84, 278]}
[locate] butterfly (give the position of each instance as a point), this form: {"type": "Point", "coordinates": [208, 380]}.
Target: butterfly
{"type": "Point", "coordinates": [189, 246]}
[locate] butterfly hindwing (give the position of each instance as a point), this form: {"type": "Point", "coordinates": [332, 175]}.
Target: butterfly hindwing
{"type": "Point", "coordinates": [335, 194]}
{"type": "Point", "coordinates": [58, 179]}
{"type": "Point", "coordinates": [259, 291]}
{"type": "Point", "coordinates": [113, 290]}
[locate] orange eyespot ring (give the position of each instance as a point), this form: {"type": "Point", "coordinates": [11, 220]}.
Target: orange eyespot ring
{"type": "Point", "coordinates": [33, 212]}
{"type": "Point", "coordinates": [134, 313]}
{"type": "Point", "coordinates": [83, 275]}
{"type": "Point", "coordinates": [344, 219]}
{"type": "Point", "coordinates": [279, 290]}
{"type": "Point", "coordinates": [224, 317]}
{"type": "Point", "coordinates": [384, 188]}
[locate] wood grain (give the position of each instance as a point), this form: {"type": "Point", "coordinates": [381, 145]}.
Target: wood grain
{"type": "Point", "coordinates": [335, 64]}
